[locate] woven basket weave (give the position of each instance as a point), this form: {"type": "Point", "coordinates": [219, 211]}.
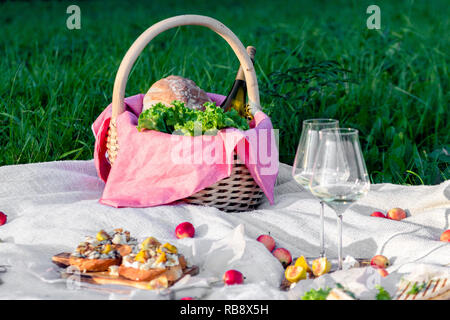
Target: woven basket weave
{"type": "Point", "coordinates": [239, 192]}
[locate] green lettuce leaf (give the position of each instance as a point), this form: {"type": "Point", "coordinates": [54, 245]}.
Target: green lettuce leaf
{"type": "Point", "coordinates": [182, 120]}
{"type": "Point", "coordinates": [382, 293]}
{"type": "Point", "coordinates": [320, 294]}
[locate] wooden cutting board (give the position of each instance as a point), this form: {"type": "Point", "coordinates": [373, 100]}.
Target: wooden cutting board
{"type": "Point", "coordinates": [62, 260]}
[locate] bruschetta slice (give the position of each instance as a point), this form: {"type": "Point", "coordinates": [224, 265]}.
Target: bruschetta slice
{"type": "Point", "coordinates": [98, 253]}
{"type": "Point", "coordinates": [153, 260]}
{"type": "Point", "coordinates": [94, 257]}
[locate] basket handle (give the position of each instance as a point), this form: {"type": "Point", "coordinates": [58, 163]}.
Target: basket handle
{"type": "Point", "coordinates": [120, 82]}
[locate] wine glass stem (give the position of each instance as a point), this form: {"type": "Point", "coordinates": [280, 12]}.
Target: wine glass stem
{"type": "Point", "coordinates": [339, 220]}
{"type": "Point", "coordinates": [322, 233]}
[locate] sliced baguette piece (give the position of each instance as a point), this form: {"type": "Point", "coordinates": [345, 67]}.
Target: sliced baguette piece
{"type": "Point", "coordinates": [139, 274]}
{"type": "Point", "coordinates": [93, 265]}
{"type": "Point", "coordinates": [172, 273]}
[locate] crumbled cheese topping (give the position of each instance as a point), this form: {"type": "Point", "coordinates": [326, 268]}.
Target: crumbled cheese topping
{"type": "Point", "coordinates": [152, 255]}
{"type": "Point", "coordinates": [172, 260]}
{"type": "Point", "coordinates": [102, 245]}
{"type": "Point", "coordinates": [99, 251]}
{"type": "Point", "coordinates": [122, 237]}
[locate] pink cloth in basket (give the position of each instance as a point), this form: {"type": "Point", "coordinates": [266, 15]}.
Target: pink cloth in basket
{"type": "Point", "coordinates": [151, 168]}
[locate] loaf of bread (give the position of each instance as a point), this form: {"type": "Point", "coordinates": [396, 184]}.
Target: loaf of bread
{"type": "Point", "coordinates": [173, 88]}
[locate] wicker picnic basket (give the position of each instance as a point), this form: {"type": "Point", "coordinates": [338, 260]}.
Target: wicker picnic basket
{"type": "Point", "coordinates": [239, 192]}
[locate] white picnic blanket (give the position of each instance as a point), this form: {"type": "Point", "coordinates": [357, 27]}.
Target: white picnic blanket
{"type": "Point", "coordinates": [52, 206]}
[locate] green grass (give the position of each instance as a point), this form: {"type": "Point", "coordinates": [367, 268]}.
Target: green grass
{"type": "Point", "coordinates": [391, 84]}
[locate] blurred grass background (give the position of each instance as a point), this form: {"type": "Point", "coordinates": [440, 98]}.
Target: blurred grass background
{"type": "Point", "coordinates": [314, 59]}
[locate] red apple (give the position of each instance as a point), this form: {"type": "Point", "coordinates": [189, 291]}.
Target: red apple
{"type": "Point", "coordinates": [283, 255]}
{"type": "Point", "coordinates": [184, 230]}
{"type": "Point", "coordinates": [233, 277]}
{"type": "Point", "coordinates": [379, 262]}
{"type": "Point", "coordinates": [3, 218]}
{"type": "Point", "coordinates": [267, 240]}
{"type": "Point", "coordinates": [445, 236]}
{"type": "Point", "coordinates": [378, 214]}
{"type": "Point", "coordinates": [396, 214]}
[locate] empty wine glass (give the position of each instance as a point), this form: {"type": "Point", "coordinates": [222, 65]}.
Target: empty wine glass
{"type": "Point", "coordinates": [340, 175]}
{"type": "Point", "coordinates": [304, 160]}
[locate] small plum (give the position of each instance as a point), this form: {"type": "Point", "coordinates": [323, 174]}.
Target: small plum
{"type": "Point", "coordinates": [445, 236]}
{"type": "Point", "coordinates": [283, 255]}
{"type": "Point", "coordinates": [267, 240]}
{"type": "Point", "coordinates": [396, 214]}
{"type": "Point", "coordinates": [3, 218]}
{"type": "Point", "coordinates": [379, 262]}
{"type": "Point", "coordinates": [378, 214]}
{"type": "Point", "coordinates": [185, 230]}
{"type": "Point", "coordinates": [231, 277]}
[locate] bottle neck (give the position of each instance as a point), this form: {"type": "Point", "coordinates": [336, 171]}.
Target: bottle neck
{"type": "Point", "coordinates": [240, 74]}
{"type": "Point", "coordinates": [251, 52]}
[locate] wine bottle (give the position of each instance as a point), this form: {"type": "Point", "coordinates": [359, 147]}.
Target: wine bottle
{"type": "Point", "coordinates": [237, 97]}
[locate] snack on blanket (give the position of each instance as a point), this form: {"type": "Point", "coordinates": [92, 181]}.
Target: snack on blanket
{"type": "Point", "coordinates": [173, 88]}
{"type": "Point", "coordinates": [105, 250]}
{"type": "Point", "coordinates": [94, 256]}
{"type": "Point", "coordinates": [154, 260]}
